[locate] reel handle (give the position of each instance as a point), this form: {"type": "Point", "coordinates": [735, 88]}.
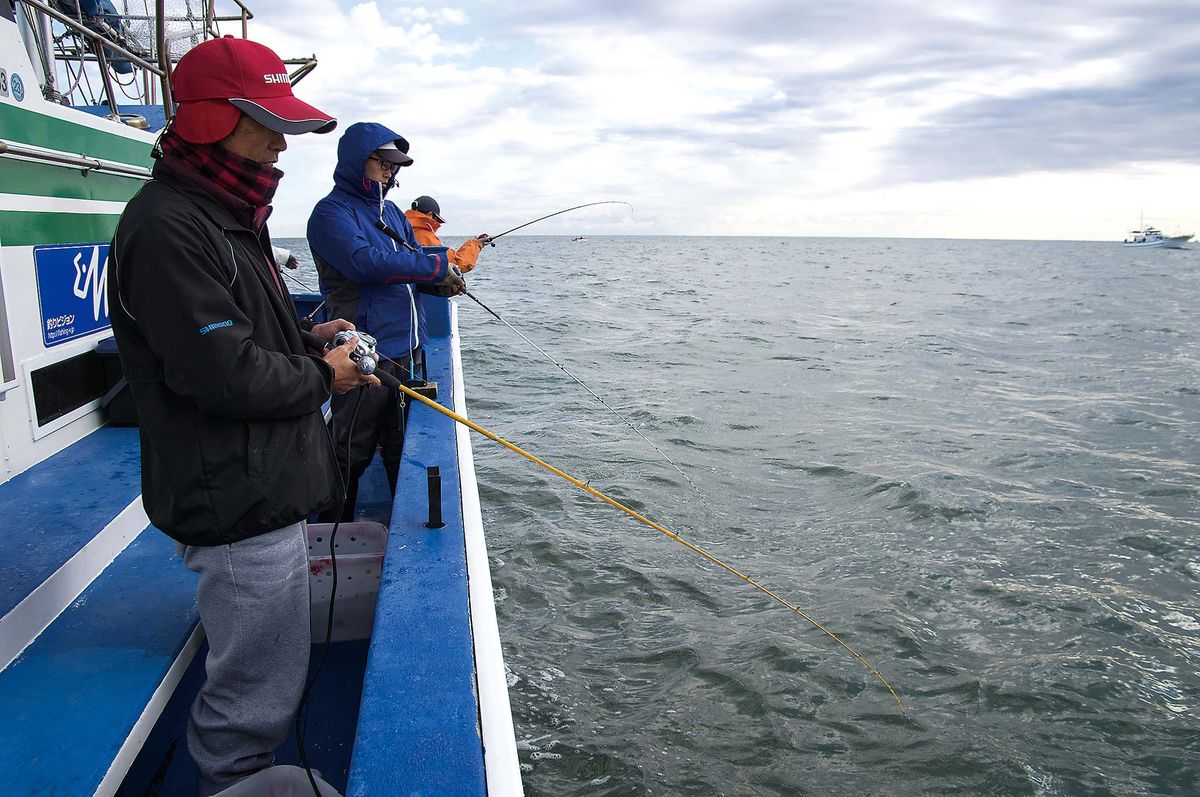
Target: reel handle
{"type": "Point", "coordinates": [366, 364]}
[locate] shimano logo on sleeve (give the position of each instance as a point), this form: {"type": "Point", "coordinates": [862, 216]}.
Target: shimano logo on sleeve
{"type": "Point", "coordinates": [206, 329]}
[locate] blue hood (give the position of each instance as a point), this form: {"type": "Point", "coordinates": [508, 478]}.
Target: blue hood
{"type": "Point", "coordinates": [359, 141]}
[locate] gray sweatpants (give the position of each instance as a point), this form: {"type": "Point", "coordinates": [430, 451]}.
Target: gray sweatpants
{"type": "Point", "coordinates": [254, 605]}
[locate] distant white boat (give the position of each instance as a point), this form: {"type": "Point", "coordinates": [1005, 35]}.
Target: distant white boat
{"type": "Point", "coordinates": [1148, 237]}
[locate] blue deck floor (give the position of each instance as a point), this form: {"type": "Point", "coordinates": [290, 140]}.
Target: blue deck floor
{"type": "Point", "coordinates": [72, 696]}
{"type": "Point", "coordinates": [165, 768]}
{"type": "Point", "coordinates": [59, 504]}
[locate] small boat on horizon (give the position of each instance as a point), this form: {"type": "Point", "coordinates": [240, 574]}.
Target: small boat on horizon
{"type": "Point", "coordinates": [1151, 237]}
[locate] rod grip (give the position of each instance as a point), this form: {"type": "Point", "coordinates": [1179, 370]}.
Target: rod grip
{"type": "Point", "coordinates": [387, 379]}
{"type": "Point", "coordinates": [313, 341]}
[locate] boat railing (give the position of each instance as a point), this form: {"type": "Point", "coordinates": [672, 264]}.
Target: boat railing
{"type": "Point", "coordinates": [142, 45]}
{"type": "Point", "coordinates": [83, 162]}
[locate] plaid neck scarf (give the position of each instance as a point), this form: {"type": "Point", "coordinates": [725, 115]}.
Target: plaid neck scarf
{"type": "Point", "coordinates": [244, 186]}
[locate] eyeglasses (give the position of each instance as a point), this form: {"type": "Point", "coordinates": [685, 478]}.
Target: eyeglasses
{"type": "Point", "coordinates": [387, 166]}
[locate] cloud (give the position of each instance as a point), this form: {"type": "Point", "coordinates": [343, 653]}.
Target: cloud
{"type": "Point", "coordinates": [1066, 130]}
{"type": "Point", "coordinates": [727, 117]}
{"type": "Point", "coordinates": [450, 16]}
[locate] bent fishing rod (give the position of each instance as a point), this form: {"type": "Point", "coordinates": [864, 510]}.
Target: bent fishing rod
{"type": "Point", "coordinates": [557, 213]}
{"type": "Point", "coordinates": [490, 240]}
{"type": "Point", "coordinates": [394, 383]}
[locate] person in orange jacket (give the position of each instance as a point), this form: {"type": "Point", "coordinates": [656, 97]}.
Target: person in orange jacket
{"type": "Point", "coordinates": [425, 216]}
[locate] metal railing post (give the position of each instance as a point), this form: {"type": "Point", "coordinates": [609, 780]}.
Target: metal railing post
{"type": "Point", "coordinates": [164, 58]}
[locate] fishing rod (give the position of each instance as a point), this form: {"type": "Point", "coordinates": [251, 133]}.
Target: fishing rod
{"type": "Point", "coordinates": [593, 393]}
{"type": "Point", "coordinates": [394, 383]}
{"type": "Point", "coordinates": [557, 213]}
{"type": "Point", "coordinates": [300, 282]}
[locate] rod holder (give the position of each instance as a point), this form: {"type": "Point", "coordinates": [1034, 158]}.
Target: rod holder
{"type": "Point", "coordinates": [433, 477]}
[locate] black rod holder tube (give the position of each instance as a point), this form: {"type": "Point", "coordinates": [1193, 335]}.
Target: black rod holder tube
{"type": "Point", "coordinates": [433, 475]}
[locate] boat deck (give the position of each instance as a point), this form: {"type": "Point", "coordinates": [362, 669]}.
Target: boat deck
{"type": "Point", "coordinates": [96, 616]}
{"type": "Point", "coordinates": [101, 628]}
{"type": "Point", "coordinates": [56, 507]}
{"type": "Point", "coordinates": [75, 696]}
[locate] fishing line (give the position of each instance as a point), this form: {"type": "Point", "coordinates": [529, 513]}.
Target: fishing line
{"type": "Point", "coordinates": [301, 720]}
{"type": "Point", "coordinates": [300, 282]}
{"type": "Point", "coordinates": [558, 213]}
{"type": "Point", "coordinates": [594, 395]}
{"type": "Point", "coordinates": [392, 382]}
{"type": "Point", "coordinates": [562, 368]}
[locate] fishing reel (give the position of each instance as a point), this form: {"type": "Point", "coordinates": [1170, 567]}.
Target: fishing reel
{"type": "Point", "coordinates": [363, 355]}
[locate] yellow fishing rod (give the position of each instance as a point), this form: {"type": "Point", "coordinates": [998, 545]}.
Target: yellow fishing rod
{"type": "Point", "coordinates": [391, 381]}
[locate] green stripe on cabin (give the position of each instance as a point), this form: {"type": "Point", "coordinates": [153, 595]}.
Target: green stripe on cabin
{"type": "Point", "coordinates": [23, 126]}
{"type": "Point", "coordinates": [33, 178]}
{"type": "Point", "coordinates": [39, 228]}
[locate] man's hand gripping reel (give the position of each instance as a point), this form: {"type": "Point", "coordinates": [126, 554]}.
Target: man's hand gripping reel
{"type": "Point", "coordinates": [366, 358]}
{"type": "Point", "coordinates": [363, 354]}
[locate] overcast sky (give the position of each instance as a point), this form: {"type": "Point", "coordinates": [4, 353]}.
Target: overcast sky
{"type": "Point", "coordinates": [943, 118]}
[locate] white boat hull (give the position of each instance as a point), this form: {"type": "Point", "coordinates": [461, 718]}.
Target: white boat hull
{"type": "Point", "coordinates": [1174, 242]}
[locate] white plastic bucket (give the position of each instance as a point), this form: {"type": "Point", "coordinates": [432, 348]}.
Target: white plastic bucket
{"type": "Point", "coordinates": [359, 548]}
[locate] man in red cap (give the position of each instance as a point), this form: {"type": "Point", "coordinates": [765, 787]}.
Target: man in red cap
{"type": "Point", "coordinates": [235, 452]}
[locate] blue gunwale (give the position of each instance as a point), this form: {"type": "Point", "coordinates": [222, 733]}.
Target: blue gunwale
{"type": "Point", "coordinates": [418, 727]}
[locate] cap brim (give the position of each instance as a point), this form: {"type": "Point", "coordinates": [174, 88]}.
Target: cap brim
{"type": "Point", "coordinates": [204, 121]}
{"type": "Point", "coordinates": [438, 218]}
{"type": "Point", "coordinates": [286, 115]}
{"type": "Point", "coordinates": [394, 156]}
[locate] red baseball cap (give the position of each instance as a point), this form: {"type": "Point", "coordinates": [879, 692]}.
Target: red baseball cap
{"type": "Point", "coordinates": [220, 79]}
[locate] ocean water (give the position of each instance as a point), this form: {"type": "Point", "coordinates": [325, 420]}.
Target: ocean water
{"type": "Point", "coordinates": [978, 462]}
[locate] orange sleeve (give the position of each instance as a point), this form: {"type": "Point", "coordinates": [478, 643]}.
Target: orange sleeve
{"type": "Point", "coordinates": [466, 255]}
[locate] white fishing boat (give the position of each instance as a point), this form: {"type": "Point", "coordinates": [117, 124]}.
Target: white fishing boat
{"type": "Point", "coordinates": [1151, 237]}
{"type": "Point", "coordinates": [101, 651]}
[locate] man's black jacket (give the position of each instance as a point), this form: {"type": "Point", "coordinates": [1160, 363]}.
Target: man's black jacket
{"type": "Point", "coordinates": [229, 404]}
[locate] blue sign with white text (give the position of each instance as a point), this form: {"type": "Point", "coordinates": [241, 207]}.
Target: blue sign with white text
{"type": "Point", "coordinates": [72, 290]}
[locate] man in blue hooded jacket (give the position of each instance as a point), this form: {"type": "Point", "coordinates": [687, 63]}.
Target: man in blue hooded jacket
{"type": "Point", "coordinates": [369, 264]}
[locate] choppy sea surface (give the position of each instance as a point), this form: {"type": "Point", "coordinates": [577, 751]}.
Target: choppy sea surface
{"type": "Point", "coordinates": [977, 462]}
